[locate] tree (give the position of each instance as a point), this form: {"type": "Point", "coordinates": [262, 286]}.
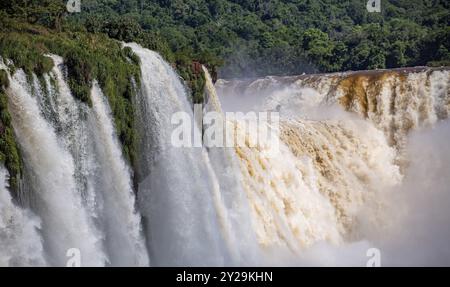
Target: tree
{"type": "Point", "coordinates": [265, 36]}
{"type": "Point", "coordinates": [123, 28]}
{"type": "Point", "coordinates": [318, 47]}
{"type": "Point", "coordinates": [396, 56]}
{"type": "Point", "coordinates": [377, 59]}
{"type": "Point", "coordinates": [50, 12]}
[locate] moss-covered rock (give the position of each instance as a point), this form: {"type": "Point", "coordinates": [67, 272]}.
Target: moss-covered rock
{"type": "Point", "coordinates": [44, 66]}
{"type": "Point", "coordinates": [9, 151]}
{"type": "Point", "coordinates": [4, 81]}
{"type": "Point", "coordinates": [87, 57]}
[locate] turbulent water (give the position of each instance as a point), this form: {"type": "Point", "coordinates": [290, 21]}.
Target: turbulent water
{"type": "Point", "coordinates": [177, 186]}
{"type": "Point", "coordinates": [76, 180]}
{"type": "Point", "coordinates": [361, 161]}
{"type": "Point", "coordinates": [348, 174]}
{"type": "Point", "coordinates": [20, 241]}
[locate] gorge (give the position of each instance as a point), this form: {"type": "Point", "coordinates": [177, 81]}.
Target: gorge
{"type": "Point", "coordinates": [362, 163]}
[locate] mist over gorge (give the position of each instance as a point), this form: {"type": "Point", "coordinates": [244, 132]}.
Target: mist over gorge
{"type": "Point", "coordinates": [224, 133]}
{"type": "Point", "coordinates": [346, 173]}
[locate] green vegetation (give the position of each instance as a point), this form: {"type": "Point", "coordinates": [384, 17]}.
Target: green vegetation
{"type": "Point", "coordinates": [127, 29]}
{"type": "Point", "coordinates": [233, 38]}
{"type": "Point", "coordinates": [9, 152]}
{"type": "Point", "coordinates": [260, 37]}
{"type": "Point", "coordinates": [29, 29]}
{"type": "Point", "coordinates": [49, 12]}
{"type": "Point", "coordinates": [4, 81]}
{"type": "Point", "coordinates": [87, 57]}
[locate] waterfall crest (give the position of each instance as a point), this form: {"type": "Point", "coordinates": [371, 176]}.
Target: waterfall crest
{"type": "Point", "coordinates": [348, 166]}
{"type": "Point", "coordinates": [65, 220]}
{"type": "Point", "coordinates": [76, 178]}
{"type": "Point", "coordinates": [344, 156]}
{"type": "Point", "coordinates": [175, 189]}
{"type": "Point", "coordinates": [396, 101]}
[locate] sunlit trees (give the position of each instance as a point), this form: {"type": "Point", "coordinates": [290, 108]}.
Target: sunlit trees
{"type": "Point", "coordinates": [50, 12]}
{"type": "Point", "coordinates": [259, 37]}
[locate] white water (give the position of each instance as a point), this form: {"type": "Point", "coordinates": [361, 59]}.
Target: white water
{"type": "Point", "coordinates": [123, 224]}
{"type": "Point", "coordinates": [176, 190]}
{"type": "Point", "coordinates": [65, 221]}
{"type": "Point", "coordinates": [230, 200]}
{"type": "Point", "coordinates": [421, 203]}
{"type": "Point", "coordinates": [76, 179]}
{"type": "Point", "coordinates": [68, 118]}
{"type": "Point", "coordinates": [342, 182]}
{"type": "Point", "coordinates": [314, 190]}
{"type": "Point", "coordinates": [19, 236]}
{"type": "Point", "coordinates": [102, 176]}
{"type": "Point", "coordinates": [337, 188]}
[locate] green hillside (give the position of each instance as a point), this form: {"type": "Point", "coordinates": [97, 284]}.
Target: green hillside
{"type": "Point", "coordinates": [259, 37]}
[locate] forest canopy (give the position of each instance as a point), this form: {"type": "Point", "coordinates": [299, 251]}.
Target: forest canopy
{"type": "Point", "coordinates": [244, 38]}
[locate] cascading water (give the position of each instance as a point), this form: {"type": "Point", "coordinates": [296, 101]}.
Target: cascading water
{"type": "Point", "coordinates": [21, 244]}
{"type": "Point", "coordinates": [357, 153]}
{"type": "Point", "coordinates": [65, 221]}
{"type": "Point", "coordinates": [83, 191]}
{"type": "Point", "coordinates": [338, 176]}
{"type": "Point", "coordinates": [67, 116]}
{"type": "Point", "coordinates": [396, 101]}
{"type": "Point", "coordinates": [231, 201]}
{"type": "Point", "coordinates": [124, 238]}
{"type": "Point", "coordinates": [175, 189]}
{"type": "Point", "coordinates": [102, 175]}
{"type": "Point", "coordinates": [314, 188]}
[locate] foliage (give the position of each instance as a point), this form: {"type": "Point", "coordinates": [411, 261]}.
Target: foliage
{"type": "Point", "coordinates": [89, 54]}
{"type": "Point", "coordinates": [87, 57]}
{"type": "Point", "coordinates": [260, 37]}
{"type": "Point", "coordinates": [235, 38]}
{"type": "Point", "coordinates": [49, 12]}
{"type": "Point", "coordinates": [9, 152]}
{"type": "Point", "coordinates": [4, 81]}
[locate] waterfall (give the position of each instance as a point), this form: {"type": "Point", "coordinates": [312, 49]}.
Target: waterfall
{"type": "Point", "coordinates": [21, 244]}
{"type": "Point", "coordinates": [231, 201]}
{"type": "Point", "coordinates": [65, 220]}
{"type": "Point", "coordinates": [67, 116]}
{"type": "Point", "coordinates": [361, 161]}
{"type": "Point", "coordinates": [123, 225]}
{"type": "Point", "coordinates": [175, 189]}
{"type": "Point", "coordinates": [325, 172]}
{"type": "Point", "coordinates": [314, 190]}
{"type": "Point", "coordinates": [340, 183]}
{"type": "Point", "coordinates": [396, 101]}
{"type": "Point", "coordinates": [102, 175]}
{"type": "Point", "coordinates": [76, 178]}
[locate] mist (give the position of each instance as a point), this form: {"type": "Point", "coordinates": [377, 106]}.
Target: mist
{"type": "Point", "coordinates": [408, 222]}
{"type": "Point", "coordinates": [418, 215]}
{"type": "Point", "coordinates": [422, 233]}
